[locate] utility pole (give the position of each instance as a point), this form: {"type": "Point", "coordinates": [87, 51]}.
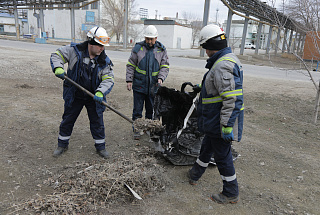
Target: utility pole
{"type": "Point", "coordinates": [205, 20]}
{"type": "Point", "coordinates": [125, 26]}
{"type": "Point", "coordinates": [16, 20]}
{"type": "Point", "coordinates": [217, 11]}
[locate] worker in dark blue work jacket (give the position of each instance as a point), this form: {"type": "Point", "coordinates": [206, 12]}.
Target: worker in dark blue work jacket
{"type": "Point", "coordinates": [220, 112]}
{"type": "Point", "coordinates": [147, 68]}
{"type": "Point", "coordinates": [89, 66]}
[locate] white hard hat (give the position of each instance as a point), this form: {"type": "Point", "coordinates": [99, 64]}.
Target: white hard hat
{"type": "Point", "coordinates": [99, 35]}
{"type": "Point", "coordinates": [208, 32]}
{"type": "Point", "coordinates": [151, 32]}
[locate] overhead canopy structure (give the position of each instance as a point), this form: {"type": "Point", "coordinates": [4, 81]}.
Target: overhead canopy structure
{"type": "Point", "coordinates": [15, 5]}
{"type": "Point", "coordinates": [41, 4]}
{"type": "Point", "coordinates": [262, 11]}
{"type": "Point", "coordinates": [250, 9]}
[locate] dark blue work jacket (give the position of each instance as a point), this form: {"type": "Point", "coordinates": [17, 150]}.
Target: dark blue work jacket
{"type": "Point", "coordinates": [87, 77]}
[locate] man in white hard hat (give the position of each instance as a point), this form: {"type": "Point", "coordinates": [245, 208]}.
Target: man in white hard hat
{"type": "Point", "coordinates": [147, 68]}
{"type": "Point", "coordinates": [220, 112]}
{"type": "Point", "coordinates": [89, 66]}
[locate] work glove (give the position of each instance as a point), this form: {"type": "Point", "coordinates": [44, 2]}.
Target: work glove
{"type": "Point", "coordinates": [196, 88]}
{"type": "Point", "coordinates": [98, 97]}
{"type": "Point", "coordinates": [227, 134]}
{"type": "Point", "coordinates": [60, 73]}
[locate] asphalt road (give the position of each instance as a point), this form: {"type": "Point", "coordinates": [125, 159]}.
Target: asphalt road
{"type": "Point", "coordinates": [178, 59]}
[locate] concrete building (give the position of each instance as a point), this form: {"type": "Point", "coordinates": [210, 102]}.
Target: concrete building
{"type": "Point", "coordinates": [7, 24]}
{"type": "Point", "coordinates": [57, 22]}
{"type": "Point", "coordinates": [172, 34]}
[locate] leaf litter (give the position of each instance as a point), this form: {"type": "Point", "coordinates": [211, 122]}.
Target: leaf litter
{"type": "Point", "coordinates": [87, 187]}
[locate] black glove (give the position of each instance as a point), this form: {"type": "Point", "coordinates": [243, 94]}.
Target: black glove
{"type": "Point", "coordinates": [196, 88]}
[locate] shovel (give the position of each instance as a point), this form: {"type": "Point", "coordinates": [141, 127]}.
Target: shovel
{"type": "Point", "coordinates": [103, 102]}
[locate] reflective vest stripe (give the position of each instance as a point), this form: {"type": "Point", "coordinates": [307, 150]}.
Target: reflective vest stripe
{"type": "Point", "coordinates": [198, 161]}
{"type": "Point", "coordinates": [242, 108]}
{"type": "Point", "coordinates": [155, 73]}
{"type": "Point", "coordinates": [64, 137]}
{"type": "Point", "coordinates": [166, 66]}
{"type": "Point", "coordinates": [99, 141]}
{"type": "Point", "coordinates": [105, 77]}
{"type": "Point", "coordinates": [137, 68]}
{"type": "Point", "coordinates": [58, 53]}
{"type": "Point", "coordinates": [211, 100]}
{"type": "Point", "coordinates": [141, 71]}
{"type": "Point", "coordinates": [232, 93]}
{"type": "Point", "coordinates": [222, 59]}
{"type": "Point", "coordinates": [229, 178]}
{"type": "Point", "coordinates": [131, 64]}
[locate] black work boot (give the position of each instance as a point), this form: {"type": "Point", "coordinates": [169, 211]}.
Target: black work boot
{"type": "Point", "coordinates": [222, 199]}
{"type": "Point", "coordinates": [191, 181]}
{"type": "Point", "coordinates": [103, 153]}
{"type": "Point", "coordinates": [59, 151]}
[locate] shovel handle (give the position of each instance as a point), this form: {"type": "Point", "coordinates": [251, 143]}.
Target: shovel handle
{"type": "Point", "coordinates": [103, 102]}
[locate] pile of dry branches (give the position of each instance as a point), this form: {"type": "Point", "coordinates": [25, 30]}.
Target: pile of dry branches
{"type": "Point", "coordinates": [97, 186]}
{"type": "Point", "coordinates": [143, 125]}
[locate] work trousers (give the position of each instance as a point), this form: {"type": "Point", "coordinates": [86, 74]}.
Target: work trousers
{"type": "Point", "coordinates": [140, 99]}
{"type": "Point", "coordinates": [221, 151]}
{"type": "Point", "coordinates": [70, 116]}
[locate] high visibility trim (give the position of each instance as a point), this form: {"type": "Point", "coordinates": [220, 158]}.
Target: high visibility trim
{"type": "Point", "coordinates": [166, 66]}
{"type": "Point", "coordinates": [59, 53]}
{"type": "Point", "coordinates": [211, 100]}
{"type": "Point", "coordinates": [131, 64]}
{"type": "Point", "coordinates": [99, 141]}
{"type": "Point", "coordinates": [198, 161]}
{"type": "Point", "coordinates": [105, 77]}
{"type": "Point", "coordinates": [141, 71]}
{"type": "Point", "coordinates": [229, 178]}
{"type": "Point", "coordinates": [242, 108]}
{"type": "Point", "coordinates": [222, 59]}
{"type": "Point", "coordinates": [155, 73]}
{"type": "Point", "coordinates": [232, 93]}
{"type": "Point", "coordinates": [64, 137]}
{"type": "Point", "coordinates": [141, 48]}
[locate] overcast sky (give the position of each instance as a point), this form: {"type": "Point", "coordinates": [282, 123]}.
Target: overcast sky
{"type": "Point", "coordinates": [169, 8]}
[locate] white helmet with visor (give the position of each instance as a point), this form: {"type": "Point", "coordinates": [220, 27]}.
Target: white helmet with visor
{"type": "Point", "coordinates": [99, 35]}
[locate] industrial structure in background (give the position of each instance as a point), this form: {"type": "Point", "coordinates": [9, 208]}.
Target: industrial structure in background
{"type": "Point", "coordinates": [262, 25]}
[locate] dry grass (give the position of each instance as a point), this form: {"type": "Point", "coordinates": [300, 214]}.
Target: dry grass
{"type": "Point", "coordinates": [83, 188]}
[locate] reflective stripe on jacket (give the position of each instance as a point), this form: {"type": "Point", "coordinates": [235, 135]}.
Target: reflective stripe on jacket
{"type": "Point", "coordinates": [103, 78]}
{"type": "Point", "coordinates": [221, 98]}
{"type": "Point", "coordinates": [146, 65]}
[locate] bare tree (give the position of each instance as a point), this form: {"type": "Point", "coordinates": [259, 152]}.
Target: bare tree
{"type": "Point", "coordinates": [189, 17]}
{"type": "Point", "coordinates": [113, 16]}
{"type": "Point", "coordinates": [194, 22]}
{"type": "Point", "coordinates": [196, 28]}
{"type": "Point", "coordinates": [305, 14]}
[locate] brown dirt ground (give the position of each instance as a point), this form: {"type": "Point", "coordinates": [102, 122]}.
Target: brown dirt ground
{"type": "Point", "coordinates": [278, 171]}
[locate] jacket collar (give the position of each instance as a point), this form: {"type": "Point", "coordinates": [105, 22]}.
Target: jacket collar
{"type": "Point", "coordinates": [82, 47]}
{"type": "Point", "coordinates": [216, 56]}
{"type": "Point", "coordinates": [157, 44]}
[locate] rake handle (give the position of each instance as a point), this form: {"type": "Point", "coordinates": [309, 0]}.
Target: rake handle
{"type": "Point", "coordinates": [103, 102]}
